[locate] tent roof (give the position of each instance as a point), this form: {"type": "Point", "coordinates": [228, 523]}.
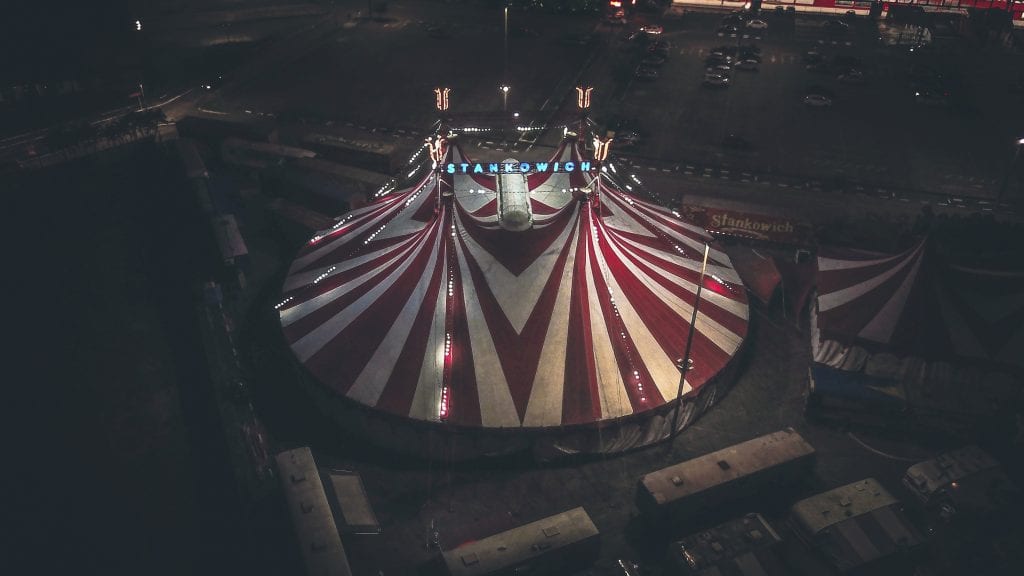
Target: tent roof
{"type": "Point", "coordinates": [914, 303]}
{"type": "Point", "coordinates": [758, 271]}
{"type": "Point", "coordinates": [433, 311]}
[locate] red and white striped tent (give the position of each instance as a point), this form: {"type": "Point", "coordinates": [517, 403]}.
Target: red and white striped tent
{"type": "Point", "coordinates": [424, 304]}
{"type": "Point", "coordinates": [915, 304]}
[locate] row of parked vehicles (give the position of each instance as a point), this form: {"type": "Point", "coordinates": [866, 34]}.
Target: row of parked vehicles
{"type": "Point", "coordinates": [858, 528]}
{"type": "Point", "coordinates": [742, 23]}
{"type": "Point", "coordinates": [722, 60]}
{"type": "Point", "coordinates": [655, 54]}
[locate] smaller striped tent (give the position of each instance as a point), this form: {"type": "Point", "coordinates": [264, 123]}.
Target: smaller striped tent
{"type": "Point", "coordinates": [856, 527]}
{"type": "Point", "coordinates": [915, 304]}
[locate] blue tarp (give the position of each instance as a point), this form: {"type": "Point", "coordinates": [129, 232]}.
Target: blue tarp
{"type": "Point", "coordinates": [858, 386]}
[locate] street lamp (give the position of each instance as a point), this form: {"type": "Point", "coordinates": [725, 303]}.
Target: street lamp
{"type": "Point", "coordinates": [1009, 168]}
{"type": "Point", "coordinates": [504, 97]}
{"type": "Point", "coordinates": [687, 363]}
{"type": "Point", "coordinates": [505, 70]}
{"type": "Point", "coordinates": [138, 25]}
{"type": "Point", "coordinates": [601, 146]}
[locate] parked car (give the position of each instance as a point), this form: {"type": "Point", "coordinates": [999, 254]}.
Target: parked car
{"type": "Point", "coordinates": [817, 100]}
{"type": "Point", "coordinates": [721, 69]}
{"type": "Point", "coordinates": [646, 73]}
{"type": "Point", "coordinates": [813, 56]}
{"type": "Point", "coordinates": [723, 51]}
{"type": "Point", "coordinates": [653, 60]}
{"type": "Point", "coordinates": [727, 30]}
{"type": "Point", "coordinates": [757, 25]}
{"type": "Point", "coordinates": [744, 55]}
{"type": "Point", "coordinates": [652, 29]}
{"type": "Point", "coordinates": [713, 80]}
{"type": "Point", "coordinates": [659, 47]}
{"type": "Point", "coordinates": [713, 59]}
{"type": "Point", "coordinates": [748, 64]}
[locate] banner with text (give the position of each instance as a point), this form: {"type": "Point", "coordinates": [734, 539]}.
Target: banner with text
{"type": "Point", "coordinates": [749, 225]}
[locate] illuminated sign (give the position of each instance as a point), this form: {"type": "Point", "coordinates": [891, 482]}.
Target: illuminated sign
{"type": "Point", "coordinates": [583, 97]}
{"type": "Point", "coordinates": [516, 167]}
{"type": "Point", "coordinates": [601, 148]}
{"type": "Point", "coordinates": [783, 230]}
{"type": "Point", "coordinates": [438, 147]}
{"type": "Point", "coordinates": [441, 95]}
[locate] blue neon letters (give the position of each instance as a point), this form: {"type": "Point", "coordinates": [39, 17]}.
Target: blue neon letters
{"type": "Point", "coordinates": [516, 167]}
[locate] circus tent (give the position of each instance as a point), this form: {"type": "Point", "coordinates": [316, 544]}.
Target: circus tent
{"type": "Point", "coordinates": [536, 301]}
{"type": "Point", "coordinates": [915, 304]}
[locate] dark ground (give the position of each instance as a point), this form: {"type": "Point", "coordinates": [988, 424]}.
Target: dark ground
{"type": "Point", "coordinates": [126, 469]}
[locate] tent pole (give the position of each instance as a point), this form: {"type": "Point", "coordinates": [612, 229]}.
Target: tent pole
{"type": "Point", "coordinates": [685, 366]}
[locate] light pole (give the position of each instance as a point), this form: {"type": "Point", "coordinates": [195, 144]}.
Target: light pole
{"type": "Point", "coordinates": [685, 364]}
{"type": "Point", "coordinates": [505, 69]}
{"type": "Point", "coordinates": [504, 97]}
{"type": "Point", "coordinates": [601, 146]}
{"type": "Point", "coordinates": [1009, 168]}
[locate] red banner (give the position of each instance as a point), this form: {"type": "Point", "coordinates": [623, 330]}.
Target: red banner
{"type": "Point", "coordinates": [749, 225]}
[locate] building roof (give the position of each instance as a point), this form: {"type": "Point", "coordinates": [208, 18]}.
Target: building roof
{"type": "Point", "coordinates": [937, 473]}
{"type": "Point", "coordinates": [311, 515]}
{"type": "Point", "coordinates": [856, 524]}
{"type": "Point", "coordinates": [422, 304]}
{"type": "Point", "coordinates": [967, 477]}
{"type": "Point", "coordinates": [829, 508]}
{"type": "Point", "coordinates": [726, 465]}
{"type": "Point", "coordinates": [518, 546]}
{"type": "Point", "coordinates": [742, 546]}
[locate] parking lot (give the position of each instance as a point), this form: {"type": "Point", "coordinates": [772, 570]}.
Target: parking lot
{"type": "Point", "coordinates": [875, 131]}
